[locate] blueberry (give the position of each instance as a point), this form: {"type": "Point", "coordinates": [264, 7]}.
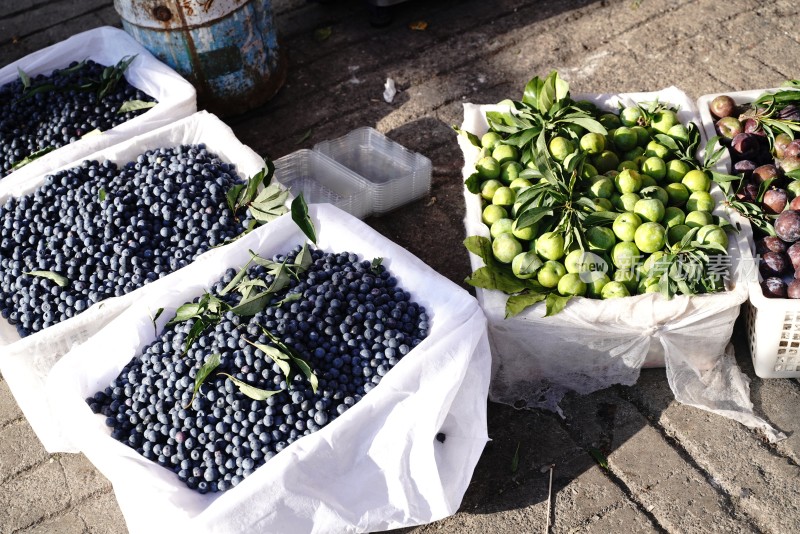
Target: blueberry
{"type": "Point", "coordinates": [224, 436]}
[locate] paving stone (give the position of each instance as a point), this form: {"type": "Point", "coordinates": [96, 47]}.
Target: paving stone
{"type": "Point", "coordinates": [16, 459]}
{"type": "Point", "coordinates": [83, 479]}
{"type": "Point", "coordinates": [32, 495]}
{"type": "Point", "coordinates": [9, 409]}
{"type": "Point", "coordinates": [67, 523]}
{"type": "Point", "coordinates": [102, 515]}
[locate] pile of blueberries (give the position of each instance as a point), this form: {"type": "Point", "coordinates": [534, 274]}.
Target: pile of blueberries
{"type": "Point", "coordinates": [62, 114]}
{"type": "Point", "coordinates": [109, 230]}
{"type": "Point", "coordinates": [351, 324]}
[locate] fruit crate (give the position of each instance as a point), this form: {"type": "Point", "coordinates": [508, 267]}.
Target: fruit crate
{"type": "Point", "coordinates": [406, 450]}
{"type": "Point", "coordinates": [25, 362]}
{"type": "Point", "coordinates": [105, 45]}
{"type": "Point", "coordinates": [773, 325]}
{"type": "Point", "coordinates": [393, 174]}
{"type": "Point", "coordinates": [592, 344]}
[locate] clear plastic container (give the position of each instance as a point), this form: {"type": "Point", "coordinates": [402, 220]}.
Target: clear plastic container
{"type": "Point", "coordinates": [394, 174]}
{"type": "Point", "coordinates": [773, 325]}
{"type": "Point", "coordinates": [322, 180]}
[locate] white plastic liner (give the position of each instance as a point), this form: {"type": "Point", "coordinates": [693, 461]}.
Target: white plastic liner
{"type": "Point", "coordinates": [379, 466]}
{"type": "Point", "coordinates": [593, 344]}
{"type": "Point", "coordinates": [25, 362]}
{"type": "Point", "coordinates": [106, 45]}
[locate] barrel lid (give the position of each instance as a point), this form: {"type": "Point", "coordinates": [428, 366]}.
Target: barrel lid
{"type": "Point", "coordinates": [175, 14]}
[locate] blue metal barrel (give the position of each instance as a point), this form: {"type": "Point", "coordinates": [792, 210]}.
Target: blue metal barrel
{"type": "Point", "coordinates": [227, 49]}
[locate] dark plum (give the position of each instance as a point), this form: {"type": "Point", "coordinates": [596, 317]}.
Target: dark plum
{"type": "Point", "coordinates": [775, 200]}
{"type": "Point", "coordinates": [722, 106]}
{"type": "Point", "coordinates": [770, 243]}
{"type": "Point", "coordinates": [754, 127]}
{"type": "Point", "coordinates": [789, 163]}
{"type": "Point", "coordinates": [766, 172]}
{"type": "Point", "coordinates": [795, 204]}
{"type": "Point", "coordinates": [745, 167]}
{"type": "Point", "coordinates": [782, 140]}
{"type": "Point", "coordinates": [793, 289]}
{"type": "Point", "coordinates": [774, 288]}
{"type": "Point", "coordinates": [773, 264]}
{"type": "Point", "coordinates": [793, 252]}
{"type": "Point", "coordinates": [746, 145]}
{"type": "Point", "coordinates": [792, 149]}
{"type": "Point", "coordinates": [787, 226]}
{"type": "Point", "coordinates": [749, 192]}
{"type": "Point", "coordinates": [729, 127]}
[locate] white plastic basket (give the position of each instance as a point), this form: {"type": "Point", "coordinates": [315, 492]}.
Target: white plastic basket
{"type": "Point", "coordinates": [773, 325]}
{"type": "Point", "coordinates": [25, 362]}
{"type": "Point", "coordinates": [106, 45]}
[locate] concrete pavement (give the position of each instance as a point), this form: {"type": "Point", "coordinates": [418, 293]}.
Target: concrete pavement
{"type": "Point", "coordinates": [670, 468]}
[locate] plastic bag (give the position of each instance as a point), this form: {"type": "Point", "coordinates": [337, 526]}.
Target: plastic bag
{"type": "Point", "coordinates": [25, 362]}
{"type": "Point", "coordinates": [593, 344]}
{"type": "Point", "coordinates": [106, 45]}
{"type": "Point", "coordinates": [378, 466]}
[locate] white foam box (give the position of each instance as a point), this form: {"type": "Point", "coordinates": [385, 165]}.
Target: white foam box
{"type": "Point", "coordinates": [26, 362]}
{"type": "Point", "coordinates": [593, 344]}
{"type": "Point", "coordinates": [176, 97]}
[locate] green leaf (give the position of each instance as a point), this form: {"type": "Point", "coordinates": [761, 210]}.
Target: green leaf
{"type": "Point", "coordinates": [24, 78]}
{"type": "Point", "coordinates": [101, 195]}
{"type": "Point", "coordinates": [489, 278]}
{"type": "Point", "coordinates": [599, 457]}
{"type": "Point", "coordinates": [112, 75]}
{"type": "Point", "coordinates": [303, 259]}
{"type": "Point", "coordinates": [232, 197]}
{"type": "Point", "coordinates": [531, 93]}
{"type": "Point", "coordinates": [290, 297]}
{"type": "Point", "coordinates": [473, 183]}
{"type": "Point", "coordinates": [135, 105]}
{"type": "Point", "coordinates": [236, 279]}
{"type": "Point", "coordinates": [516, 304]}
{"type": "Point", "coordinates": [588, 123]}
{"type": "Point", "coordinates": [555, 303]}
{"type": "Point", "coordinates": [667, 141]}
{"type": "Point", "coordinates": [307, 372]}
{"type": "Point", "coordinates": [253, 305]}
{"type": "Point", "coordinates": [302, 219]}
{"type": "Point", "coordinates": [208, 367]}
{"type": "Point", "coordinates": [376, 264]}
{"type": "Point", "coordinates": [530, 216]}
{"type": "Point", "coordinates": [304, 137]}
{"type": "Point", "coordinates": [33, 156]}
{"type": "Point", "coordinates": [269, 204]}
{"type": "Point", "coordinates": [600, 218]}
{"type": "Point", "coordinates": [322, 34]}
{"type": "Point", "coordinates": [515, 460]}
{"type": "Point", "coordinates": [795, 174]}
{"type": "Point", "coordinates": [276, 355]}
{"type": "Point", "coordinates": [61, 281]}
{"type": "Point", "coordinates": [194, 332]}
{"type": "Point", "coordinates": [471, 137]}
{"type": "Point", "coordinates": [185, 312]}
{"type": "Point", "coordinates": [251, 391]}
{"type": "Point", "coordinates": [481, 247]}
{"type": "Point", "coordinates": [155, 317]}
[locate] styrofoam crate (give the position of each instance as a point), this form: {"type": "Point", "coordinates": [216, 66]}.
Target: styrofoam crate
{"type": "Point", "coordinates": [773, 325]}
{"type": "Point", "coordinates": [26, 362]}
{"type": "Point", "coordinates": [323, 181]}
{"type": "Point", "coordinates": [176, 97]}
{"type": "Point", "coordinates": [607, 343]}
{"type": "Point", "coordinates": [394, 174]}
